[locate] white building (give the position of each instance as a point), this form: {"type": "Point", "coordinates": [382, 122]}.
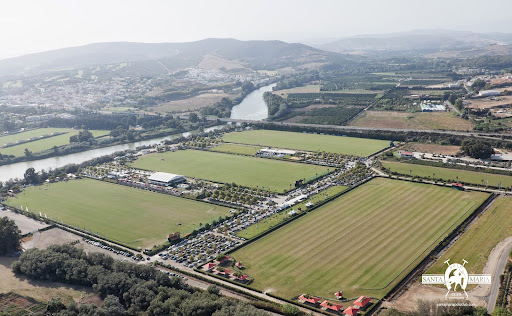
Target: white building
{"type": "Point", "coordinates": [489, 93]}
{"type": "Point", "coordinates": [165, 179]}
{"type": "Point", "coordinates": [276, 152]}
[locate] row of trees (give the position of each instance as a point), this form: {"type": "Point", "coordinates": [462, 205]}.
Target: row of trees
{"type": "Point", "coordinates": [10, 236]}
{"type": "Point", "coordinates": [127, 288]}
{"type": "Point", "coordinates": [477, 148]}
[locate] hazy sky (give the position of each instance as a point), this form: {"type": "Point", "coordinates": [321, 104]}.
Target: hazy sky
{"type": "Point", "coordinates": [38, 25]}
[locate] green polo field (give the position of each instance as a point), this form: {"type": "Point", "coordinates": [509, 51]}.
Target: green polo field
{"type": "Point", "coordinates": [225, 168]}
{"type": "Point", "coordinates": [38, 145]}
{"type": "Point", "coordinates": [362, 243]}
{"type": "Point", "coordinates": [447, 174]}
{"type": "Point", "coordinates": [308, 142]}
{"type": "Point", "coordinates": [130, 216]}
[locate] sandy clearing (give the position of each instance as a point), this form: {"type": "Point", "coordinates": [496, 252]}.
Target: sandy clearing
{"type": "Point", "coordinates": [25, 224]}
{"type": "Point", "coordinates": [57, 236]}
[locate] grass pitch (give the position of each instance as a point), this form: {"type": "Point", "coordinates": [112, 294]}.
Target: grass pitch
{"type": "Point", "coordinates": [247, 171]}
{"type": "Point", "coordinates": [271, 221]}
{"type": "Point", "coordinates": [133, 217]}
{"type": "Point", "coordinates": [447, 174]}
{"type": "Point", "coordinates": [43, 144]}
{"type": "Point", "coordinates": [237, 149]}
{"type": "Point", "coordinates": [309, 142]}
{"type": "Point", "coordinates": [477, 242]}
{"type": "Point", "coordinates": [363, 243]}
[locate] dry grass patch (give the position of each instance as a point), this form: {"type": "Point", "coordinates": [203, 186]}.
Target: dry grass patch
{"type": "Point", "coordinates": [39, 290]}
{"type": "Point", "coordinates": [407, 120]}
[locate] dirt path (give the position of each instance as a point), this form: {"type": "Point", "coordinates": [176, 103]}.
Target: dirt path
{"type": "Point", "coordinates": [497, 261]}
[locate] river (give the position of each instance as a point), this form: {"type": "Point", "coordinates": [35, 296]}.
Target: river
{"type": "Point", "coordinates": [17, 170]}
{"type": "Point", "coordinates": [252, 106]}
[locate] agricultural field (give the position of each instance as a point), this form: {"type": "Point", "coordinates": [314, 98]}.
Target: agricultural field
{"type": "Point", "coordinates": [312, 88]}
{"type": "Point", "coordinates": [477, 242]}
{"type": "Point", "coordinates": [269, 222]}
{"type": "Point", "coordinates": [362, 243]}
{"type": "Point", "coordinates": [46, 143]}
{"type": "Point", "coordinates": [15, 304]}
{"type": "Point", "coordinates": [269, 174]}
{"type": "Point", "coordinates": [407, 120]}
{"type": "Point", "coordinates": [308, 142]}
{"type": "Point", "coordinates": [487, 103]}
{"type": "Point", "coordinates": [133, 217]}
{"type": "Point", "coordinates": [449, 175]}
{"type": "Point", "coordinates": [237, 149]}
{"type": "Point", "coordinates": [432, 148]}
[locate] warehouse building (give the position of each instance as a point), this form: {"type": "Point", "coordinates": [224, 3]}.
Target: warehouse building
{"type": "Point", "coordinates": [165, 179]}
{"type": "Point", "coordinates": [489, 93]}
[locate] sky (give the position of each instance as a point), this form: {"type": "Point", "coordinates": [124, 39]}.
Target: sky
{"type": "Point", "coordinates": [40, 25]}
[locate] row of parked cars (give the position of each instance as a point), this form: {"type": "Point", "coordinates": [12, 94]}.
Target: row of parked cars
{"type": "Point", "coordinates": [200, 249]}
{"type": "Point", "coordinates": [100, 245]}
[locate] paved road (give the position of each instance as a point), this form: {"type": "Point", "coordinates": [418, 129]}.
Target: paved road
{"type": "Point", "coordinates": [495, 286]}
{"type": "Point", "coordinates": [448, 104]}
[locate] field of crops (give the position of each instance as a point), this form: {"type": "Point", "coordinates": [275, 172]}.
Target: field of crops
{"type": "Point", "coordinates": [273, 175]}
{"type": "Point", "coordinates": [309, 142]}
{"type": "Point", "coordinates": [362, 243]}
{"type": "Point", "coordinates": [450, 175]}
{"type": "Point", "coordinates": [477, 242]}
{"type": "Point", "coordinates": [133, 217]}
{"type": "Point", "coordinates": [43, 144]}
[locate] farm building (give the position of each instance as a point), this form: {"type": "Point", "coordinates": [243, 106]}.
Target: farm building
{"type": "Point", "coordinates": [405, 154]}
{"type": "Point", "coordinates": [305, 298]}
{"type": "Point", "coordinates": [338, 295]}
{"type": "Point", "coordinates": [165, 179]}
{"type": "Point", "coordinates": [209, 266]}
{"type": "Point", "coordinates": [362, 301]}
{"type": "Point", "coordinates": [173, 236]}
{"type": "Point", "coordinates": [269, 152]}
{"type": "Point", "coordinates": [489, 93]}
{"type": "Point", "coordinates": [431, 107]}
{"type": "Point", "coordinates": [328, 305]}
{"type": "Point", "coordinates": [351, 311]}
{"type": "Point", "coordinates": [458, 186]}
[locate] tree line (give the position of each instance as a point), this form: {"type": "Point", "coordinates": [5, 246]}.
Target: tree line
{"type": "Point", "coordinates": [126, 288]}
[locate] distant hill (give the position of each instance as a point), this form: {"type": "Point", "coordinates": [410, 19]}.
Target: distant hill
{"type": "Point", "coordinates": [153, 58]}
{"type": "Point", "coordinates": [417, 42]}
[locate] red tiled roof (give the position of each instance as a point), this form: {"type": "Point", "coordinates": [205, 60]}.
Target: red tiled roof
{"type": "Point", "coordinates": [311, 299]}
{"type": "Point", "coordinates": [225, 272]}
{"type": "Point", "coordinates": [362, 301]}
{"type": "Point", "coordinates": [457, 184]}
{"type": "Point", "coordinates": [238, 264]}
{"type": "Point", "coordinates": [329, 305]}
{"type": "Point", "coordinates": [351, 311]}
{"type": "Point", "coordinates": [209, 265]}
{"type": "Point", "coordinates": [338, 294]}
{"type": "Point", "coordinates": [242, 277]}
